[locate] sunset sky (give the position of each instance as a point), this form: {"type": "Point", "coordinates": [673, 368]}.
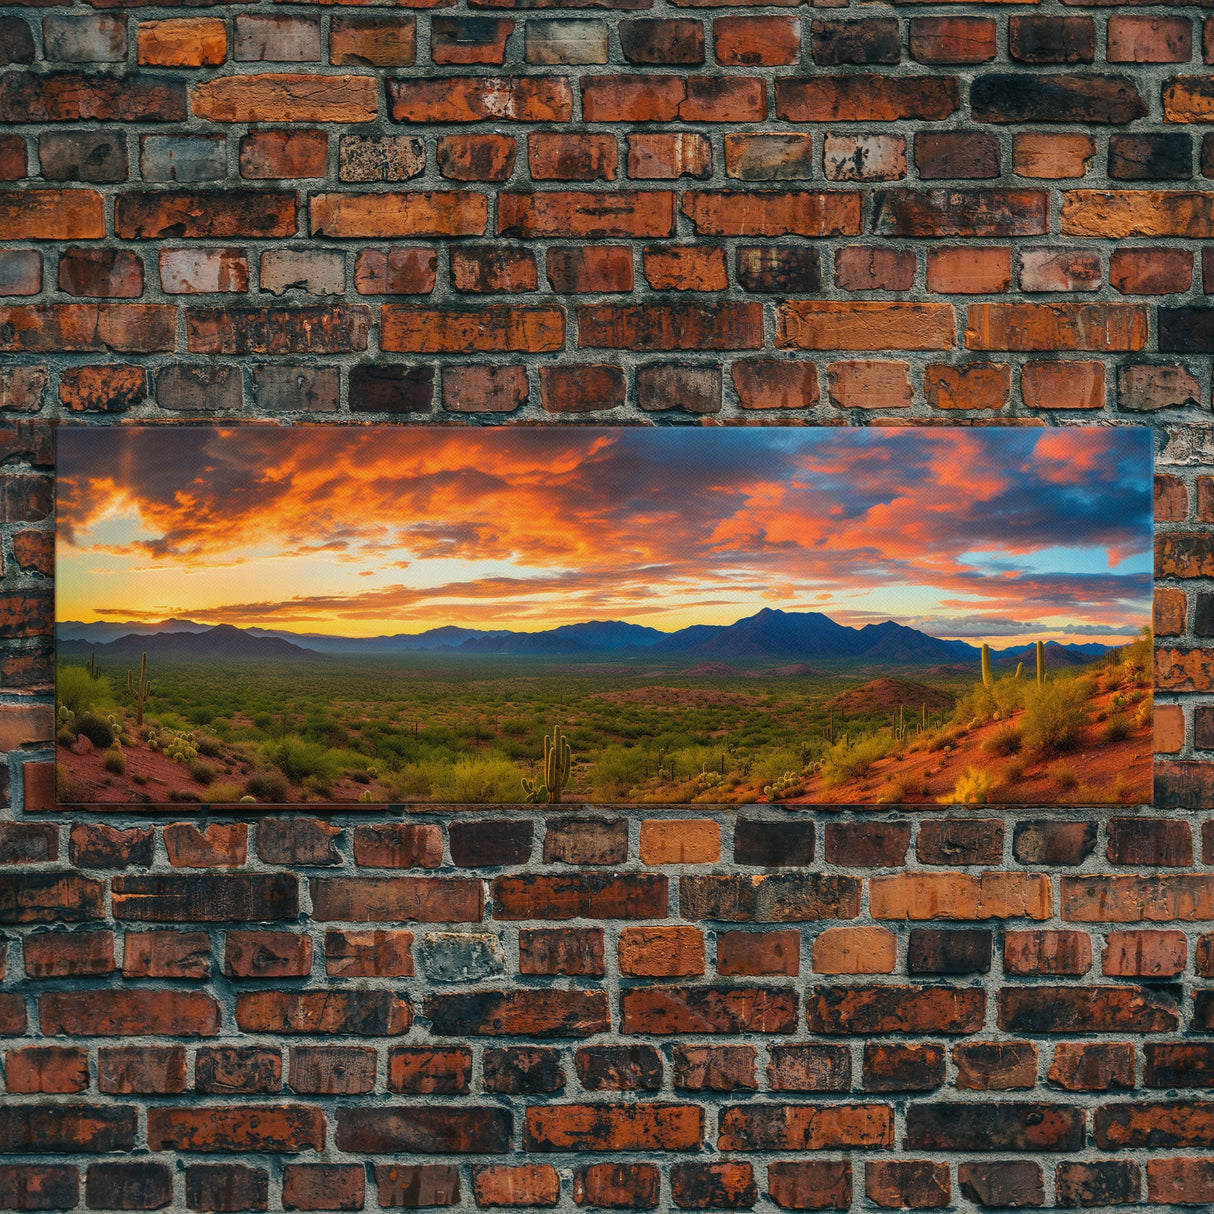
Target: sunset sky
{"type": "Point", "coordinates": [1006, 535]}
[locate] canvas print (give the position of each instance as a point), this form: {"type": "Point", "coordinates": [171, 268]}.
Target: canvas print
{"type": "Point", "coordinates": [372, 615]}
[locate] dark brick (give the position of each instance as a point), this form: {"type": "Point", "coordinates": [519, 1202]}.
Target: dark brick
{"type": "Point", "coordinates": [1150, 157]}
{"type": "Point", "coordinates": [391, 388]}
{"type": "Point", "coordinates": [773, 844]}
{"type": "Point", "coordinates": [872, 41]}
{"type": "Point", "coordinates": [522, 1070]}
{"type": "Point", "coordinates": [226, 1187]}
{"type": "Point", "coordinates": [959, 951]}
{"type": "Point", "coordinates": [1002, 1126]}
{"type": "Point", "coordinates": [490, 843]}
{"type": "Point", "coordinates": [903, 1068]}
{"type": "Point", "coordinates": [130, 1185]}
{"type": "Point", "coordinates": [1025, 97]}
{"type": "Point", "coordinates": [1005, 1184]}
{"type": "Point", "coordinates": [619, 1068]}
{"type": "Point", "coordinates": [779, 269]}
{"type": "Point", "coordinates": [1053, 843]}
{"type": "Point", "coordinates": [1052, 39]}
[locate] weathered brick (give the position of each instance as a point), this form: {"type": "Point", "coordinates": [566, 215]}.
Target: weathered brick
{"type": "Point", "coordinates": [375, 41]}
{"type": "Point", "coordinates": [1056, 1009]}
{"type": "Point", "coordinates": [391, 1130]}
{"type": "Point", "coordinates": [226, 1187]}
{"type": "Point", "coordinates": [1093, 1066]}
{"type": "Point", "coordinates": [1101, 1182]}
{"type": "Point", "coordinates": [417, 1185]}
{"type": "Point", "coordinates": [939, 40]}
{"type": "Point", "coordinates": [1003, 1126]}
{"type": "Point", "coordinates": [182, 42]}
{"type": "Point", "coordinates": [899, 1184]}
{"type": "Point", "coordinates": [617, 1185]}
{"type": "Point", "coordinates": [865, 97]}
{"type": "Point", "coordinates": [894, 1009]}
{"type": "Point", "coordinates": [661, 952]}
{"type": "Point", "coordinates": [534, 1184]}
{"type": "Point", "coordinates": [903, 1068]}
{"type": "Point", "coordinates": [804, 1127]}
{"type": "Point", "coordinates": [581, 388]}
{"type": "Point", "coordinates": [267, 955]}
{"type": "Point", "coordinates": [469, 39]}
{"type": "Point", "coordinates": [76, 97]}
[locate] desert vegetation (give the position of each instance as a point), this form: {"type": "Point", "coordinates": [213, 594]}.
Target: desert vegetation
{"type": "Point", "coordinates": [492, 729]}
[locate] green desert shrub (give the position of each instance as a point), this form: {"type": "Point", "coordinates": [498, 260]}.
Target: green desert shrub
{"type": "Point", "coordinates": [77, 690]}
{"type": "Point", "coordinates": [491, 778]}
{"type": "Point", "coordinates": [1063, 775]}
{"type": "Point", "coordinates": [204, 773]}
{"type": "Point", "coordinates": [268, 786]}
{"type": "Point", "coordinates": [97, 729]}
{"type": "Point", "coordinates": [1054, 718]}
{"type": "Point", "coordinates": [67, 787]}
{"type": "Point", "coordinates": [844, 762]}
{"type": "Point", "coordinates": [1003, 742]}
{"type": "Point", "coordinates": [223, 793]}
{"type": "Point", "coordinates": [972, 788]}
{"type": "Point", "coordinates": [114, 761]}
{"type": "Point", "coordinates": [1115, 729]}
{"type": "Point", "coordinates": [209, 745]}
{"type": "Point", "coordinates": [298, 760]}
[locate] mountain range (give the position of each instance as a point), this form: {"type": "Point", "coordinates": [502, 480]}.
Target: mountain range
{"type": "Point", "coordinates": [769, 635]}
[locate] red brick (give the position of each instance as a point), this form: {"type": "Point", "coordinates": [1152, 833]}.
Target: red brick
{"type": "Point", "coordinates": [558, 156]}
{"type": "Point", "coordinates": [894, 1009]}
{"type": "Point", "coordinates": [1061, 326]}
{"type": "Point", "coordinates": [973, 386]}
{"type": "Point", "coordinates": [810, 1185]}
{"type": "Point", "coordinates": [76, 97]}
{"type": "Point", "coordinates": [429, 1071]}
{"type": "Point", "coordinates": [685, 268]}
{"type": "Point", "coordinates": [283, 154]}
{"type": "Point", "coordinates": [108, 388]}
{"type": "Point", "coordinates": [865, 97]}
{"type": "Point", "coordinates": [516, 1013]}
{"type": "Point", "coordinates": [714, 1068]}
{"type": "Point", "coordinates": [122, 1013]}
{"type": "Point", "coordinates": [229, 1069]}
{"type": "Point", "coordinates": [1104, 1181]}
{"type": "Point", "coordinates": [1149, 39]}
{"type": "Point", "coordinates": [362, 954]}
{"type": "Point", "coordinates": [498, 1185]}
{"type": "Point", "coordinates": [480, 98]}
{"type": "Point", "coordinates": [581, 388]}
{"type": "Point", "coordinates": [317, 1186]}
{"type": "Point", "coordinates": [465, 40]}
{"type": "Point", "coordinates": [956, 154]}
{"type": "Point", "coordinates": [654, 98]}
{"type": "Point", "coordinates": [770, 157]}
{"type": "Point", "coordinates": [855, 950]}
{"type": "Point", "coordinates": [49, 1069]}
{"type": "Point", "coordinates": [952, 39]}
{"type": "Point", "coordinates": [143, 215]}
{"type": "Point", "coordinates": [182, 42]}
{"type": "Point", "coordinates": [335, 329]}
{"type": "Point", "coordinates": [756, 41]}
{"type": "Point", "coordinates": [484, 389]}
{"type": "Point", "coordinates": [773, 213]}
{"type": "Point", "coordinates": [332, 1070]}
{"type": "Point", "coordinates": [668, 155]}
{"type": "Point", "coordinates": [874, 268]}
{"type": "Point", "coordinates": [1051, 157]}
{"type": "Point", "coordinates": [613, 1127]}
{"type": "Point", "coordinates": [870, 384]}
{"type": "Point", "coordinates": [476, 157]}
{"type": "Point", "coordinates": [130, 1185]}
{"type": "Point", "coordinates": [618, 1186]}
{"type": "Point", "coordinates": [1180, 1181]}
{"type": "Point", "coordinates": [661, 952]}
{"type": "Point", "coordinates": [436, 213]}
{"type": "Point", "coordinates": [503, 327]}
{"type": "Point", "coordinates": [166, 954]}
{"type": "Point", "coordinates": [756, 953]}
{"type": "Point", "coordinates": [864, 325]}
{"type": "Point", "coordinates": [620, 213]}
{"type": "Point", "coordinates": [903, 1068]}
{"type": "Point", "coordinates": [221, 844]}
{"type": "Point", "coordinates": [1063, 385]}
{"type": "Point", "coordinates": [263, 954]}
{"type": "Point", "coordinates": [1149, 841]}
{"type": "Point", "coordinates": [399, 845]}
{"type": "Point", "coordinates": [692, 389]}
{"type": "Point", "coordinates": [226, 1187]}
{"type": "Point", "coordinates": [656, 42]}
{"type": "Point", "coordinates": [995, 1066]}
{"type": "Point", "coordinates": [1058, 1009]}
{"type": "Point", "coordinates": [372, 1013]}
{"type": "Point", "coordinates": [1134, 271]}
{"type": "Point", "coordinates": [128, 328]}
{"type": "Point", "coordinates": [379, 41]}
{"type": "Point", "coordinates": [678, 326]}
{"type": "Point", "coordinates": [725, 1185]}
{"type": "Point", "coordinates": [416, 1185]}
{"type": "Point", "coordinates": [26, 1186]}
{"type": "Point", "coordinates": [400, 270]}
{"type": "Point", "coordinates": [907, 1184]}
{"type": "Point", "coordinates": [430, 1128]}
{"type": "Point", "coordinates": [767, 384]}
{"type": "Point", "coordinates": [590, 270]}
{"type": "Point", "coordinates": [804, 1127]}
{"type": "Point", "coordinates": [1093, 1066]}
{"type": "Point", "coordinates": [246, 1127]}
{"type": "Point", "coordinates": [577, 951]}
{"type": "Point", "coordinates": [809, 1068]}
{"type": "Point", "coordinates": [60, 954]}
{"type": "Point", "coordinates": [285, 97]}
{"type": "Point", "coordinates": [665, 1010]}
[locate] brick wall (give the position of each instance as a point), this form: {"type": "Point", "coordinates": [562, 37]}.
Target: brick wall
{"type": "Point", "coordinates": [650, 212]}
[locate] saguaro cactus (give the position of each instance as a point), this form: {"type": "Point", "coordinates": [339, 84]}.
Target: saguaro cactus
{"type": "Point", "coordinates": [139, 690]}
{"type": "Point", "coordinates": [557, 762]}
{"type": "Point", "coordinates": [987, 681]}
{"type": "Point", "coordinates": [1040, 664]}
{"type": "Point", "coordinates": [1019, 671]}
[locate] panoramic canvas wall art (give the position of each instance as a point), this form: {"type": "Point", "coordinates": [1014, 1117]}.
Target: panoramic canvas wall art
{"type": "Point", "coordinates": [277, 615]}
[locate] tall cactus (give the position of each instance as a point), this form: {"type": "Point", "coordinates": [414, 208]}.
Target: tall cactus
{"type": "Point", "coordinates": [1040, 664]}
{"type": "Point", "coordinates": [556, 763]}
{"type": "Point", "coordinates": [1019, 671]}
{"type": "Point", "coordinates": [140, 689]}
{"type": "Point", "coordinates": [94, 673]}
{"type": "Point", "coordinates": [987, 681]}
